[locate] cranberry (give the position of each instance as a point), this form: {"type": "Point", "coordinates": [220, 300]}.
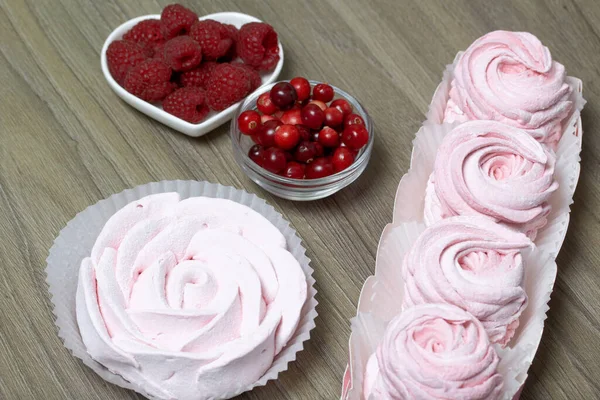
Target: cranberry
{"type": "Point", "coordinates": [304, 132]}
{"type": "Point", "coordinates": [249, 122]}
{"type": "Point", "coordinates": [292, 117]}
{"type": "Point", "coordinates": [342, 158]}
{"type": "Point", "coordinates": [294, 170]}
{"type": "Point", "coordinates": [265, 105]}
{"type": "Point", "coordinates": [313, 116]}
{"type": "Point", "coordinates": [287, 137]}
{"type": "Point", "coordinates": [302, 87]}
{"type": "Point", "coordinates": [283, 95]}
{"type": "Point", "coordinates": [315, 136]}
{"type": "Point", "coordinates": [256, 154]}
{"type": "Point", "coordinates": [321, 105]}
{"type": "Point", "coordinates": [329, 137]}
{"type": "Point", "coordinates": [353, 119]}
{"type": "Point", "coordinates": [323, 92]}
{"type": "Point", "coordinates": [355, 136]}
{"type": "Point", "coordinates": [264, 118]}
{"type": "Point", "coordinates": [305, 152]}
{"type": "Point", "coordinates": [342, 105]}
{"type": "Point", "coordinates": [266, 134]}
{"type": "Point", "coordinates": [319, 168]}
{"type": "Point", "coordinates": [274, 160]}
{"type": "Point", "coordinates": [333, 116]}
{"type": "Point", "coordinates": [288, 156]}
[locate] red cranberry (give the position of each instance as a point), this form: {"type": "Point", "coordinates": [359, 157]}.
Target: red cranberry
{"type": "Point", "coordinates": [313, 116]}
{"type": "Point", "coordinates": [355, 136]}
{"type": "Point", "coordinates": [283, 95]}
{"type": "Point", "coordinates": [353, 119]}
{"type": "Point", "coordinates": [256, 154]}
{"type": "Point", "coordinates": [319, 168]}
{"type": "Point", "coordinates": [321, 105]}
{"type": "Point", "coordinates": [304, 132]}
{"type": "Point", "coordinates": [323, 92]}
{"type": "Point", "coordinates": [294, 170]}
{"type": "Point", "coordinates": [302, 87]}
{"type": "Point", "coordinates": [305, 152]}
{"type": "Point", "coordinates": [274, 160]}
{"type": "Point", "coordinates": [288, 156]}
{"type": "Point", "coordinates": [265, 105]}
{"type": "Point", "coordinates": [264, 118]}
{"type": "Point", "coordinates": [329, 137]}
{"type": "Point", "coordinates": [249, 122]}
{"type": "Point", "coordinates": [342, 105]}
{"type": "Point", "coordinates": [287, 137]}
{"type": "Point", "coordinates": [342, 158]}
{"type": "Point", "coordinates": [292, 117]}
{"type": "Point", "coordinates": [333, 117]}
{"type": "Point", "coordinates": [315, 136]}
{"type": "Point", "coordinates": [266, 134]}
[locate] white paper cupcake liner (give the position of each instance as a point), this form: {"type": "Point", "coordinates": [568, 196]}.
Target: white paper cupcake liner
{"type": "Point", "coordinates": [75, 242]}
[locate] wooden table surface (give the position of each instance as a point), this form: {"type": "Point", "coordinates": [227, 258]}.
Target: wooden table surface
{"type": "Point", "coordinates": [67, 141]}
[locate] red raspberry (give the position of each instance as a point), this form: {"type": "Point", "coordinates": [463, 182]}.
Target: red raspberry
{"type": "Point", "coordinates": [150, 80]}
{"type": "Point", "coordinates": [176, 20]}
{"type": "Point", "coordinates": [121, 56]}
{"type": "Point", "coordinates": [159, 51]}
{"type": "Point", "coordinates": [182, 53]}
{"type": "Point", "coordinates": [198, 76]}
{"type": "Point", "coordinates": [187, 103]}
{"type": "Point", "coordinates": [232, 32]}
{"type": "Point", "coordinates": [227, 85]}
{"type": "Point", "coordinates": [253, 75]}
{"type": "Point", "coordinates": [257, 45]}
{"type": "Point", "coordinates": [147, 34]}
{"type": "Point", "coordinates": [213, 37]}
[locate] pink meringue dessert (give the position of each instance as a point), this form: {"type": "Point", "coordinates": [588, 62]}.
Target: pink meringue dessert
{"type": "Point", "coordinates": [510, 77]}
{"type": "Point", "coordinates": [433, 351]}
{"type": "Point", "coordinates": [490, 169]}
{"type": "Point", "coordinates": [472, 263]}
{"type": "Point", "coordinates": [188, 299]}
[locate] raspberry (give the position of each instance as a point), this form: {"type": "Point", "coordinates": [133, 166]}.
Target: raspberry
{"type": "Point", "coordinates": [159, 51]}
{"type": "Point", "coordinates": [150, 80]}
{"type": "Point", "coordinates": [198, 76]}
{"type": "Point", "coordinates": [187, 103]}
{"type": "Point", "coordinates": [182, 53]}
{"type": "Point", "coordinates": [227, 85]}
{"type": "Point", "coordinates": [214, 38]}
{"type": "Point", "coordinates": [257, 45]}
{"type": "Point", "coordinates": [232, 32]}
{"type": "Point", "coordinates": [176, 20]}
{"type": "Point", "coordinates": [121, 56]}
{"type": "Point", "coordinates": [253, 75]}
{"type": "Point", "coordinates": [146, 34]}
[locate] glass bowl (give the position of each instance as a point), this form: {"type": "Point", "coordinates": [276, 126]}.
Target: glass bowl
{"type": "Point", "coordinates": [299, 189]}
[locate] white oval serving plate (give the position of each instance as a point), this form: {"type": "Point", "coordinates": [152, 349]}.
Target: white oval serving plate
{"type": "Point", "coordinates": [214, 119]}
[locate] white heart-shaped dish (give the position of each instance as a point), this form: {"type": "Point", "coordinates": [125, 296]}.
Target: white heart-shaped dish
{"type": "Point", "coordinates": [214, 119]}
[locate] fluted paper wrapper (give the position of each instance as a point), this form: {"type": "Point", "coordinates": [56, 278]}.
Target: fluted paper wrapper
{"type": "Point", "coordinates": [75, 242]}
{"type": "Point", "coordinates": [382, 294]}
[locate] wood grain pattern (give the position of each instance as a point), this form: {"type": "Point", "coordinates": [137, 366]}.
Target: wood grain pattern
{"type": "Point", "coordinates": [67, 141]}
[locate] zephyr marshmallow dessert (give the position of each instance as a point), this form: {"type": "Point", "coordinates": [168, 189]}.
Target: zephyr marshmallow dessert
{"type": "Point", "coordinates": [433, 351]}
{"type": "Point", "coordinates": [510, 77]}
{"type": "Point", "coordinates": [188, 299]}
{"type": "Point", "coordinates": [487, 168]}
{"type": "Point", "coordinates": [472, 263]}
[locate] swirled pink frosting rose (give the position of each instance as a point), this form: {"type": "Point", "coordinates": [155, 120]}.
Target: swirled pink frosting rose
{"type": "Point", "coordinates": [188, 299]}
{"type": "Point", "coordinates": [433, 351]}
{"type": "Point", "coordinates": [510, 77]}
{"type": "Point", "coordinates": [486, 168]}
{"type": "Point", "coordinates": [472, 263]}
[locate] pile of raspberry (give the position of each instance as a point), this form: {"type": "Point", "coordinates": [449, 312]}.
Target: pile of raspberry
{"type": "Point", "coordinates": [192, 66]}
{"type": "Point", "coordinates": [303, 136]}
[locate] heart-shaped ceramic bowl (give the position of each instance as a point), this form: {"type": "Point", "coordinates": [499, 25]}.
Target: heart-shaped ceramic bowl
{"type": "Point", "coordinates": [214, 119]}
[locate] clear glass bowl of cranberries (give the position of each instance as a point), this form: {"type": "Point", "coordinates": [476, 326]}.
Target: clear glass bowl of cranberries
{"type": "Point", "coordinates": [301, 139]}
